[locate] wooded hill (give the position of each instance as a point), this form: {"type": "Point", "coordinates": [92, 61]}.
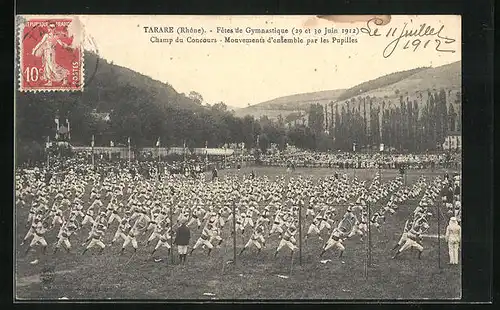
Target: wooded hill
{"type": "Point", "coordinates": [138, 106]}
{"type": "Point", "coordinates": [388, 87]}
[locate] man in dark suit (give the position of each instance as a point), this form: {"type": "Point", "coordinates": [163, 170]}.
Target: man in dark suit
{"type": "Point", "coordinates": [214, 173]}
{"type": "Point", "coordinates": [182, 237]}
{"type": "Point", "coordinates": [48, 176]}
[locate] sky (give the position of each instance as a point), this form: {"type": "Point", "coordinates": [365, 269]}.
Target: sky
{"type": "Point", "coordinates": [239, 74]}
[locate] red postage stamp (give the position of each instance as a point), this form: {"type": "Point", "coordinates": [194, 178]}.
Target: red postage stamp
{"type": "Point", "coordinates": [51, 56]}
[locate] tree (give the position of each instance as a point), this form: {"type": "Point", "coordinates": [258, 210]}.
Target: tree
{"type": "Point", "coordinates": [385, 128]}
{"type": "Point", "coordinates": [281, 121]}
{"type": "Point", "coordinates": [326, 117]}
{"type": "Point", "coordinates": [451, 118]}
{"type": "Point", "coordinates": [220, 107]}
{"type": "Point", "coordinates": [332, 122]}
{"type": "Point", "coordinates": [263, 143]}
{"type": "Point", "coordinates": [443, 116]}
{"type": "Point", "coordinates": [403, 119]}
{"type": "Point", "coordinates": [196, 97]}
{"type": "Point", "coordinates": [343, 129]}
{"type": "Point", "coordinates": [365, 122]}
{"type": "Point", "coordinates": [316, 118]}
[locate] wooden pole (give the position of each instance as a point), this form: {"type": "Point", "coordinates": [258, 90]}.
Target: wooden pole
{"type": "Point", "coordinates": [367, 250]}
{"type": "Point", "coordinates": [171, 224]}
{"type": "Point", "coordinates": [380, 166]}
{"type": "Point", "coordinates": [300, 234]}
{"type": "Point", "coordinates": [234, 233]}
{"type": "Point", "coordinates": [93, 160]}
{"type": "Point", "coordinates": [206, 158]}
{"type": "Point", "coordinates": [158, 165]}
{"type": "Point", "coordinates": [129, 154]}
{"type": "Point", "coordinates": [184, 150]}
{"type": "Point", "coordinates": [439, 236]}
{"type": "Point", "coordinates": [47, 148]}
{"type": "Point", "coordinates": [369, 235]}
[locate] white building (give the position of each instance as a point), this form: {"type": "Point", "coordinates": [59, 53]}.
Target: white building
{"type": "Point", "coordinates": [453, 141]}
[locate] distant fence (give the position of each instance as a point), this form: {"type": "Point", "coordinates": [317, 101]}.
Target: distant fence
{"type": "Point", "coordinates": [123, 152]}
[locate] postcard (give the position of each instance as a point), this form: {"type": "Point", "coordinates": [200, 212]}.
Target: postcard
{"type": "Point", "coordinates": [168, 157]}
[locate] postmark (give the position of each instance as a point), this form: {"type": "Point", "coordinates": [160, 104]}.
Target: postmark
{"type": "Point", "coordinates": [51, 55]}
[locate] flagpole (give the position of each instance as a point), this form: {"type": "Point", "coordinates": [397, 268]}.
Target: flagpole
{"type": "Point", "coordinates": [206, 156]}
{"type": "Point", "coordinates": [57, 136]}
{"type": "Point", "coordinates": [380, 161]}
{"type": "Point", "coordinates": [69, 130]}
{"type": "Point", "coordinates": [158, 144]}
{"type": "Point", "coordinates": [57, 127]}
{"type": "Point", "coordinates": [92, 144]}
{"type": "Point", "coordinates": [354, 164]}
{"type": "Point", "coordinates": [300, 234]}
{"type": "Point", "coordinates": [225, 157]}
{"type": "Point", "coordinates": [234, 232]}
{"type": "Point", "coordinates": [367, 246]}
{"type": "Point", "coordinates": [48, 152]}
{"type": "Point", "coordinates": [158, 166]}
{"type": "Point", "coordinates": [369, 234]}
{"type": "Point", "coordinates": [129, 152]}
{"type": "Point", "coordinates": [439, 236]}
{"type": "Point", "coordinates": [171, 222]}
{"type": "Point", "coordinates": [184, 150]}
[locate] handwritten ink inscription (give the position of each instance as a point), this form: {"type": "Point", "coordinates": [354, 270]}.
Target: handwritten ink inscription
{"type": "Point", "coordinates": [424, 36]}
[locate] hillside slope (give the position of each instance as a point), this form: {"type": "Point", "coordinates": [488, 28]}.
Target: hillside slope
{"type": "Point", "coordinates": [289, 104]}
{"type": "Point", "coordinates": [448, 77]}
{"type": "Point", "coordinates": [386, 88]}
{"type": "Point", "coordinates": [380, 82]}
{"type": "Point", "coordinates": [108, 76]}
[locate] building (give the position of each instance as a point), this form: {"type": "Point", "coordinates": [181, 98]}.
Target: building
{"type": "Point", "coordinates": [103, 116]}
{"type": "Point", "coordinates": [453, 141]}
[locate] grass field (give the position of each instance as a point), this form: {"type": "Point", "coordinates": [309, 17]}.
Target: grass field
{"type": "Point", "coordinates": [255, 276]}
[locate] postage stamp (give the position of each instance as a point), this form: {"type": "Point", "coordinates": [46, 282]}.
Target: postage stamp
{"type": "Point", "coordinates": [51, 56]}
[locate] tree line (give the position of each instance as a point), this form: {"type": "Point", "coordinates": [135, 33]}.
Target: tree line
{"type": "Point", "coordinates": [140, 109]}
{"type": "Point", "coordinates": [413, 125]}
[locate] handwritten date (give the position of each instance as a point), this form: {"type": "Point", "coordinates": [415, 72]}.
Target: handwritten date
{"type": "Point", "coordinates": [421, 36]}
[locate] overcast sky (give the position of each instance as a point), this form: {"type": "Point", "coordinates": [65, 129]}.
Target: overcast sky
{"type": "Point", "coordinates": [238, 74]}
